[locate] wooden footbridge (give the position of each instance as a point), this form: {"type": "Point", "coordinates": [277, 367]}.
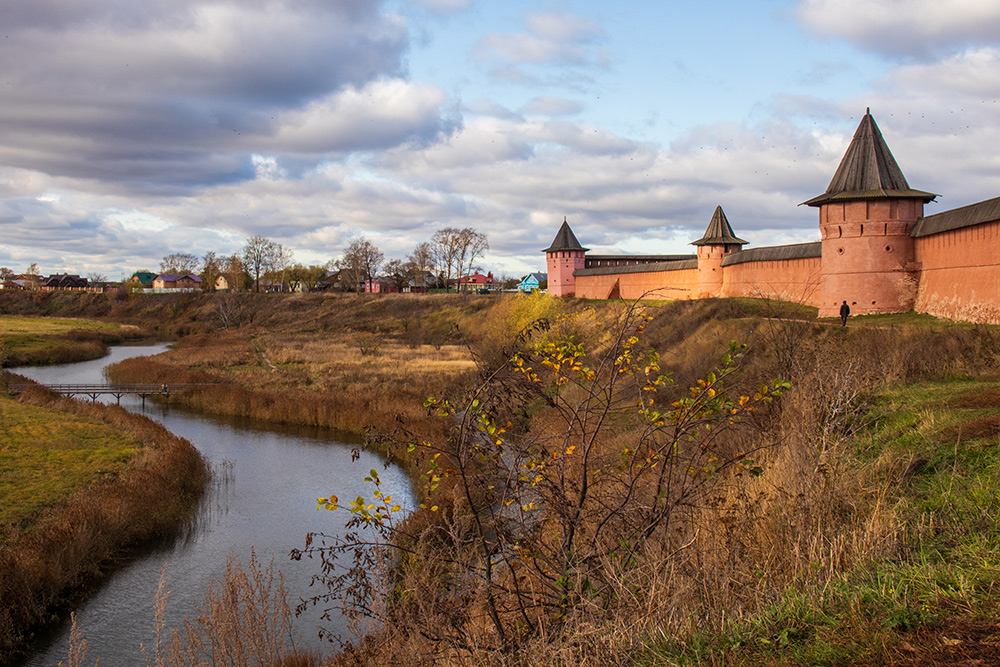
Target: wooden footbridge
{"type": "Point", "coordinates": [116, 390]}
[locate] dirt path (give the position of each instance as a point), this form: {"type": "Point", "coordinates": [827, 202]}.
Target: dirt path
{"type": "Point", "coordinates": [264, 361]}
{"type": "Point", "coordinates": [958, 642]}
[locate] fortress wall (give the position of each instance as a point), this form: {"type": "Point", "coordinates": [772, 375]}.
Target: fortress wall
{"type": "Point", "coordinates": [680, 284]}
{"type": "Point", "coordinates": [959, 273]}
{"type": "Point", "coordinates": [786, 279]}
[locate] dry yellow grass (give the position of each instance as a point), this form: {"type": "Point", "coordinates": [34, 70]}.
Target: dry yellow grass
{"type": "Point", "coordinates": [86, 527]}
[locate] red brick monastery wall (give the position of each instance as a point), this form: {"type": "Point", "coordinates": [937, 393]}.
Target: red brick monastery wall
{"type": "Point", "coordinates": [682, 284]}
{"type": "Point", "coordinates": [794, 280]}
{"type": "Point", "coordinates": [959, 276]}
{"type": "Point", "coordinates": [878, 252]}
{"type": "Point", "coordinates": [791, 280]}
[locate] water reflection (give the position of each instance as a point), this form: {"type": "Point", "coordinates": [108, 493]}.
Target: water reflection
{"type": "Point", "coordinates": [262, 498]}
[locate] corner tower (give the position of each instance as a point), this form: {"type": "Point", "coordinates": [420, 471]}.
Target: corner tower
{"type": "Point", "coordinates": [718, 242]}
{"type": "Point", "coordinates": [866, 217]}
{"type": "Point", "coordinates": [562, 258]}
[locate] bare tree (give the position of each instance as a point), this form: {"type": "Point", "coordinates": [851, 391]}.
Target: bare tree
{"type": "Point", "coordinates": [258, 256]}
{"type": "Point", "coordinates": [234, 272]}
{"type": "Point", "coordinates": [180, 263]}
{"type": "Point", "coordinates": [399, 273]}
{"type": "Point", "coordinates": [445, 246]}
{"type": "Point", "coordinates": [212, 268]}
{"type": "Point", "coordinates": [32, 277]}
{"type": "Point", "coordinates": [472, 246]}
{"type": "Point", "coordinates": [361, 261]}
{"type": "Point", "coordinates": [421, 263]}
{"type": "Point", "coordinates": [96, 278]}
{"type": "Point", "coordinates": [281, 259]}
{"type": "Point", "coordinates": [233, 311]}
{"type": "Point", "coordinates": [456, 251]}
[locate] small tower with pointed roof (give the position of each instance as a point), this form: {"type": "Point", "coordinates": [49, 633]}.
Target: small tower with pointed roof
{"type": "Point", "coordinates": [718, 242]}
{"type": "Point", "coordinates": [562, 258]}
{"type": "Point", "coordinates": [866, 217]}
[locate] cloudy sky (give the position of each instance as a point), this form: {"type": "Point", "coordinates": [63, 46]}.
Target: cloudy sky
{"type": "Point", "coordinates": [132, 129]}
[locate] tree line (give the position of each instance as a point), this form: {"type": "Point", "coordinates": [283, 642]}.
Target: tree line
{"type": "Point", "coordinates": [266, 265]}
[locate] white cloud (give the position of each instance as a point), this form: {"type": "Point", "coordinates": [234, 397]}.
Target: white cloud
{"type": "Point", "coordinates": [182, 91]}
{"type": "Point", "coordinates": [267, 168]}
{"type": "Point", "coordinates": [380, 115]}
{"type": "Point", "coordinates": [905, 27]}
{"type": "Point", "coordinates": [548, 105]}
{"type": "Point", "coordinates": [445, 6]}
{"type": "Point", "coordinates": [560, 39]}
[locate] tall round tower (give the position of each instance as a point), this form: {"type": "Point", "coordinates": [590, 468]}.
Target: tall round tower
{"type": "Point", "coordinates": [866, 217]}
{"type": "Point", "coordinates": [562, 258]}
{"type": "Point", "coordinates": [718, 242]}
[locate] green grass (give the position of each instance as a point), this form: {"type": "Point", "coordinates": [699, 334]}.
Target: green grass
{"type": "Point", "coordinates": [904, 319]}
{"type": "Point", "coordinates": [38, 340]}
{"type": "Point", "coordinates": [775, 308]}
{"type": "Point", "coordinates": [46, 454]}
{"type": "Point", "coordinates": [937, 445]}
{"type": "Point", "coordinates": [47, 326]}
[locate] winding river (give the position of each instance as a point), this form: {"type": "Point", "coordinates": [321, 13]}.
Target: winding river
{"type": "Point", "coordinates": [262, 499]}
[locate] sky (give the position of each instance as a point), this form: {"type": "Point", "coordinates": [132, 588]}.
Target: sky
{"type": "Point", "coordinates": [133, 129]}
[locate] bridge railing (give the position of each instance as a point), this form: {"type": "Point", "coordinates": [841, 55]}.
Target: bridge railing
{"type": "Point", "coordinates": [161, 388]}
{"type": "Point", "coordinates": [116, 390]}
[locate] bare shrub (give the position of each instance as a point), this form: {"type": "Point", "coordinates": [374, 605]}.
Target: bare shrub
{"type": "Point", "coordinates": [368, 344]}
{"type": "Point", "coordinates": [527, 530]}
{"type": "Point", "coordinates": [235, 309]}
{"type": "Point", "coordinates": [244, 620]}
{"type": "Point", "coordinates": [151, 498]}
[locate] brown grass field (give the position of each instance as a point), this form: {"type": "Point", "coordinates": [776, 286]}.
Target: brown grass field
{"type": "Point", "coordinates": [868, 536]}
{"type": "Point", "coordinates": [80, 484]}
{"type": "Point", "coordinates": [38, 340]}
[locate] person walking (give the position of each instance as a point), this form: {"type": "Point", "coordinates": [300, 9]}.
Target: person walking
{"type": "Point", "coordinates": [845, 312]}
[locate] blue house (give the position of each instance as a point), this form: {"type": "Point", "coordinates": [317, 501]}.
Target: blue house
{"type": "Point", "coordinates": [532, 281]}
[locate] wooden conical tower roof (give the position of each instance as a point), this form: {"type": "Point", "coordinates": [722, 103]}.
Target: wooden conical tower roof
{"type": "Point", "coordinates": [868, 171]}
{"type": "Point", "coordinates": [719, 231]}
{"type": "Point", "coordinates": [565, 240]}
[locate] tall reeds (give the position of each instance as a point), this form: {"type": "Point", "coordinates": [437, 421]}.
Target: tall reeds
{"type": "Point", "coordinates": [82, 539]}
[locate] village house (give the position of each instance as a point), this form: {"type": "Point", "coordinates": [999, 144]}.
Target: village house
{"type": "Point", "coordinates": [171, 282]}
{"type": "Point", "coordinates": [532, 281]}
{"type": "Point", "coordinates": [877, 251]}
{"type": "Point", "coordinates": [63, 282]}
{"type": "Point", "coordinates": [477, 282]}
{"type": "Point", "coordinates": [144, 278]}
{"type": "Point", "coordinates": [379, 285]}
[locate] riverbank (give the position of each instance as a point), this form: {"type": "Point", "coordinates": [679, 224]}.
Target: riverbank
{"type": "Point", "coordinates": [82, 484]}
{"type": "Point", "coordinates": [861, 532]}
{"type": "Point", "coordinates": [39, 341]}
{"type": "Point", "coordinates": [851, 538]}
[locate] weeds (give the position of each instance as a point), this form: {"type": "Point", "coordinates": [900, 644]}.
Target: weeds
{"type": "Point", "coordinates": [537, 528]}
{"type": "Point", "coordinates": [78, 538]}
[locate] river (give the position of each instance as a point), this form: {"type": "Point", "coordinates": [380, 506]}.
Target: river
{"type": "Point", "coordinates": [263, 498]}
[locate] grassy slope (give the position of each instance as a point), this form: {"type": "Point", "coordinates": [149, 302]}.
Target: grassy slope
{"type": "Point", "coordinates": [929, 451]}
{"type": "Point", "coordinates": [47, 454]}
{"type": "Point", "coordinates": [920, 455]}
{"type": "Point", "coordinates": [37, 340]}
{"type": "Point", "coordinates": [80, 484]}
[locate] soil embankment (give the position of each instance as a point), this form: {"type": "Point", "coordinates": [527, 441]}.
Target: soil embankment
{"type": "Point", "coordinates": [147, 492]}
{"type": "Point", "coordinates": [864, 522]}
